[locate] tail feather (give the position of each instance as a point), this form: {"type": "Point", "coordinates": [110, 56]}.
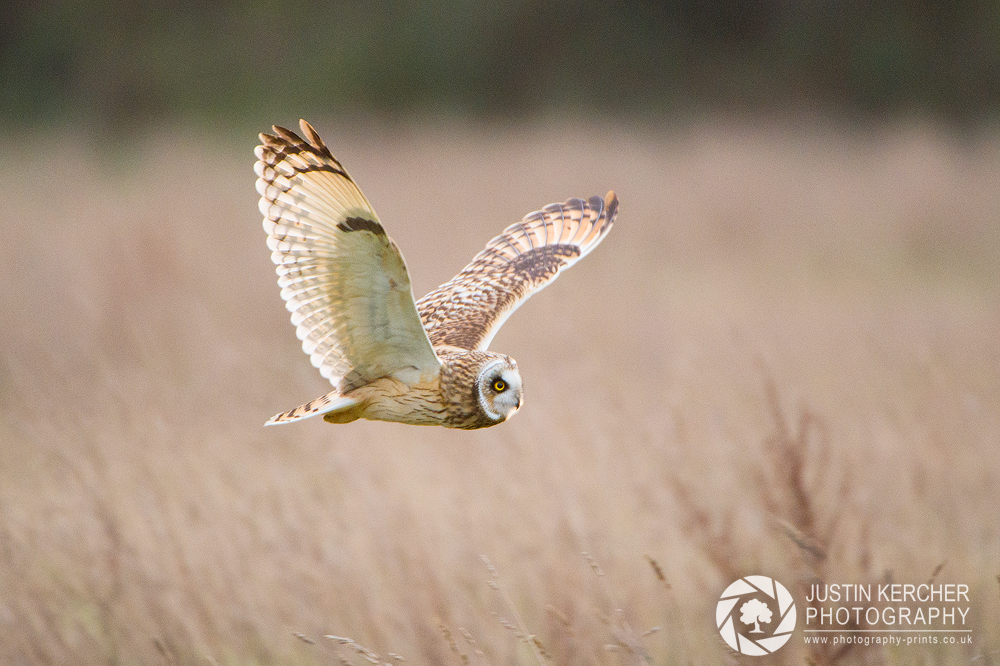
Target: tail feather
{"type": "Point", "coordinates": [330, 403]}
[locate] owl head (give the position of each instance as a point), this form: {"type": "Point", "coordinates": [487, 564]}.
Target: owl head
{"type": "Point", "coordinates": [498, 388]}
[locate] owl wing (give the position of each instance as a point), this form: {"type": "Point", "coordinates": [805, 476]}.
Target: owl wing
{"type": "Point", "coordinates": [469, 309]}
{"type": "Point", "coordinates": [343, 279]}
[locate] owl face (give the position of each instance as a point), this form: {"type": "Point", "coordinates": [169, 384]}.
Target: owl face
{"type": "Point", "coordinates": [498, 388]}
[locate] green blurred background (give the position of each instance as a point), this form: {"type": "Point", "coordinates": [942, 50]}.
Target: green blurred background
{"type": "Point", "coordinates": [115, 62]}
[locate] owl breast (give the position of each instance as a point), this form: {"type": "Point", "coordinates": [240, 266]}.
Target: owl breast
{"type": "Point", "coordinates": [389, 399]}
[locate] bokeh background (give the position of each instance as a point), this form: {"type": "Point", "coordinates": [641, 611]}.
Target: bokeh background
{"type": "Point", "coordinates": [783, 361]}
{"type": "Point", "coordinates": [110, 62]}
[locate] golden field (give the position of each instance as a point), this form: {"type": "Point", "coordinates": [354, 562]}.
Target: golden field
{"type": "Point", "coordinates": [785, 360]}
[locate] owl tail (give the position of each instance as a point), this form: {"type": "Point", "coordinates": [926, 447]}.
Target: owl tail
{"type": "Point", "coordinates": [336, 407]}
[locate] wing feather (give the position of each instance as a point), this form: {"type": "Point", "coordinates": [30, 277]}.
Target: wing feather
{"type": "Point", "coordinates": [468, 310]}
{"type": "Point", "coordinates": [341, 276]}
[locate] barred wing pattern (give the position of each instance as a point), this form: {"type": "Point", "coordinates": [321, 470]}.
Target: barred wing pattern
{"type": "Point", "coordinates": [468, 310]}
{"type": "Point", "coordinates": [341, 276]}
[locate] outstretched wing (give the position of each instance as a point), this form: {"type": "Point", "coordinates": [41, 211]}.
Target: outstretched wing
{"type": "Point", "coordinates": [342, 277]}
{"type": "Point", "coordinates": [469, 309]}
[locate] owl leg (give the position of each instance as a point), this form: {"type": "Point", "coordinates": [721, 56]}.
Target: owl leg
{"type": "Point", "coordinates": [347, 415]}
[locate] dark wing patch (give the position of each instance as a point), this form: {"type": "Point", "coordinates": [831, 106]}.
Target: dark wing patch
{"type": "Point", "coordinates": [361, 224]}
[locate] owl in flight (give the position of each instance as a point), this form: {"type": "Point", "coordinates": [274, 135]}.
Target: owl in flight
{"type": "Point", "coordinates": [389, 356]}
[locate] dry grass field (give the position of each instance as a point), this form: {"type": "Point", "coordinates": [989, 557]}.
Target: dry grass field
{"type": "Point", "coordinates": [785, 359]}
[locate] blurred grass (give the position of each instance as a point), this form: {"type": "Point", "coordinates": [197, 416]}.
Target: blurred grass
{"type": "Point", "coordinates": [772, 294]}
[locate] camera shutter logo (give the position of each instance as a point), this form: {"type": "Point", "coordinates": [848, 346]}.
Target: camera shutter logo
{"type": "Point", "coordinates": [755, 615]}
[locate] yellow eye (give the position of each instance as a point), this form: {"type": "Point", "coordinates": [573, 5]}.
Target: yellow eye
{"type": "Point", "coordinates": [499, 386]}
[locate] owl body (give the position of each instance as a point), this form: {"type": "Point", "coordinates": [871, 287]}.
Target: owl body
{"type": "Point", "coordinates": [464, 394]}
{"type": "Point", "coordinates": [389, 356]}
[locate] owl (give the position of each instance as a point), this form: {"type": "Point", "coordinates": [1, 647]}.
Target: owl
{"type": "Point", "coordinates": [389, 356]}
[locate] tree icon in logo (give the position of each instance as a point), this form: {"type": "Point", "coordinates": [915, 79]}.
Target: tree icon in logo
{"type": "Point", "coordinates": [747, 604]}
{"type": "Point", "coordinates": [754, 612]}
